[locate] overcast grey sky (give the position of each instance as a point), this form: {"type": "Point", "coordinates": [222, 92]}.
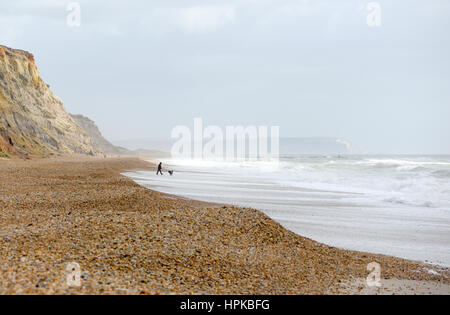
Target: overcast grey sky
{"type": "Point", "coordinates": [315, 68]}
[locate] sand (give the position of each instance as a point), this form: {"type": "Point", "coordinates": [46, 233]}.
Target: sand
{"type": "Point", "coordinates": [131, 240]}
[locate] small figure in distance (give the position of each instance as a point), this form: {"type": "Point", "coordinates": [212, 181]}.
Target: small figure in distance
{"type": "Point", "coordinates": [159, 171]}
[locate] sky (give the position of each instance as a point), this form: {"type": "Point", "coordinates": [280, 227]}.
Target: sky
{"type": "Point", "coordinates": [315, 68]}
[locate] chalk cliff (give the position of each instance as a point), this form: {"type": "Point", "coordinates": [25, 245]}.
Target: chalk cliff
{"type": "Point", "coordinates": [33, 121]}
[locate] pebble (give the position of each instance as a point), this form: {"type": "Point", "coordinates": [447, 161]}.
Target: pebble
{"type": "Point", "coordinates": [131, 240]}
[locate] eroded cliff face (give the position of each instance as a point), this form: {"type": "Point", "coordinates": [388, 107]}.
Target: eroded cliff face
{"type": "Point", "coordinates": [33, 120]}
{"type": "Point", "coordinates": [99, 143]}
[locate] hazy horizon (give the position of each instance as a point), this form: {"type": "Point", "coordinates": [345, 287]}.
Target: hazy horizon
{"type": "Point", "coordinates": [314, 68]}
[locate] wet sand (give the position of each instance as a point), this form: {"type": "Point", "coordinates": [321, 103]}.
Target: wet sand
{"type": "Point", "coordinates": [131, 240]}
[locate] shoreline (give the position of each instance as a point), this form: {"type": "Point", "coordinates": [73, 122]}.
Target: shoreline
{"type": "Point", "coordinates": [343, 218]}
{"type": "Point", "coordinates": [129, 239]}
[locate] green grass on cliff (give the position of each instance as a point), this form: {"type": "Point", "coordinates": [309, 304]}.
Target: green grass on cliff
{"type": "Point", "coordinates": [4, 154]}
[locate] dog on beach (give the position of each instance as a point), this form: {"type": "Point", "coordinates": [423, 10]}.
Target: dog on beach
{"type": "Point", "coordinates": [171, 173]}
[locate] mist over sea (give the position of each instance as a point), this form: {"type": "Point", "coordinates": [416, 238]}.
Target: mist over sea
{"type": "Point", "coordinates": [392, 204]}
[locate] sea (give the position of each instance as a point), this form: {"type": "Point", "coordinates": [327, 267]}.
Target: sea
{"type": "Point", "coordinates": [397, 205]}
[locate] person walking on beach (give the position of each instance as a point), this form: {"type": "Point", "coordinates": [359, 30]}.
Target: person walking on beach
{"type": "Point", "coordinates": [159, 169]}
